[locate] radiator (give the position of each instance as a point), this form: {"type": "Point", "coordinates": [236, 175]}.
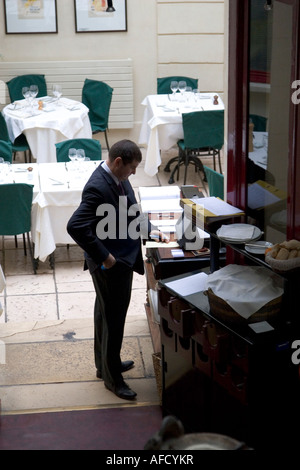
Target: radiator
{"type": "Point", "coordinates": [71, 75]}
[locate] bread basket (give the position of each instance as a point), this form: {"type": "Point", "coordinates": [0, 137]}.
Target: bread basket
{"type": "Point", "coordinates": [275, 257]}
{"type": "Point", "coordinates": [223, 311]}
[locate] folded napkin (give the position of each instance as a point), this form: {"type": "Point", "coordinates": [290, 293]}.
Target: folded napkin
{"type": "Point", "coordinates": [243, 232]}
{"type": "Point", "coordinates": [245, 288]}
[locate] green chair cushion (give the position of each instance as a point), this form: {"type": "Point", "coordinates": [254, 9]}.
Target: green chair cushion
{"type": "Point", "coordinates": [92, 148]}
{"type": "Point", "coordinates": [215, 182]}
{"type": "Point", "coordinates": [97, 96]}
{"type": "Point", "coordinates": [15, 208]}
{"type": "Point", "coordinates": [164, 83]}
{"type": "Point", "coordinates": [6, 151]}
{"type": "Point", "coordinates": [16, 84]}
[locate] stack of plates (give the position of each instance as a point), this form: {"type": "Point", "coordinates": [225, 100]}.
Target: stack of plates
{"type": "Point", "coordinates": [239, 233]}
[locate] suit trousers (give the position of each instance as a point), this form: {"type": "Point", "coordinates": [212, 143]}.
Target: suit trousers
{"type": "Point", "coordinates": [113, 292]}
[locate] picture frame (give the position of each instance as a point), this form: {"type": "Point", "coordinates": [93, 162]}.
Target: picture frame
{"type": "Point", "coordinates": [30, 17]}
{"type": "Point", "coordinates": [100, 16]}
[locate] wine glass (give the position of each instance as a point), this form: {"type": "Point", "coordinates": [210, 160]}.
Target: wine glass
{"type": "Point", "coordinates": [72, 154]}
{"type": "Point", "coordinates": [196, 96]}
{"type": "Point", "coordinates": [26, 93]}
{"type": "Point", "coordinates": [80, 153]}
{"type": "Point", "coordinates": [188, 94]}
{"type": "Point", "coordinates": [174, 88]}
{"type": "Point", "coordinates": [57, 92]}
{"type": "Point", "coordinates": [182, 87]}
{"type": "Point", "coordinates": [34, 89]}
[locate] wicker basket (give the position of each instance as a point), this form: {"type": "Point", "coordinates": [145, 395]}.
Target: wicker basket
{"type": "Point", "coordinates": [156, 357]}
{"type": "Point", "coordinates": [220, 309]}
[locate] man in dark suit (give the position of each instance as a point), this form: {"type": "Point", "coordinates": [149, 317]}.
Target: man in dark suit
{"type": "Point", "coordinates": [107, 226]}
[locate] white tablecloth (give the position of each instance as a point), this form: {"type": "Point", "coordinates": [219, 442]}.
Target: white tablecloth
{"type": "Point", "coordinates": [59, 196]}
{"type": "Point", "coordinates": [55, 123]}
{"type": "Point", "coordinates": [56, 194]}
{"type": "Point", "coordinates": [260, 149]}
{"type": "Point", "coordinates": [162, 123]}
{"type": "Point", "coordinates": [21, 174]}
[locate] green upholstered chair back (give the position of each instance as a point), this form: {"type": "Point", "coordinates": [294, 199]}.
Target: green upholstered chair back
{"type": "Point", "coordinates": [15, 208]}
{"type": "Point", "coordinates": [259, 122]}
{"type": "Point", "coordinates": [3, 129]}
{"type": "Point", "coordinates": [215, 182]}
{"type": "Point", "coordinates": [92, 148]}
{"type": "Point", "coordinates": [203, 129]}
{"type": "Point", "coordinates": [6, 151]}
{"type": "Point", "coordinates": [97, 96]}
{"type": "Point", "coordinates": [16, 84]}
{"type": "Point", "coordinates": [163, 84]}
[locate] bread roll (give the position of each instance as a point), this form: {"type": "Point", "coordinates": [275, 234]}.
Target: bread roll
{"type": "Point", "coordinates": [291, 245]}
{"type": "Point", "coordinates": [282, 254]}
{"type": "Point", "coordinates": [275, 250]}
{"type": "Point", "coordinates": [293, 254]}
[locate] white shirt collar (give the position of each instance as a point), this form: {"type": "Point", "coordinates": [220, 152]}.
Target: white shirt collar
{"type": "Point", "coordinates": [108, 170]}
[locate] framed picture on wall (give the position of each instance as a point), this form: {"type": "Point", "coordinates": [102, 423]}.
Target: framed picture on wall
{"type": "Point", "coordinates": [100, 16]}
{"type": "Point", "coordinates": [30, 16]}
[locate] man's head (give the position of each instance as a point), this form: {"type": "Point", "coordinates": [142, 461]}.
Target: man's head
{"type": "Point", "coordinates": [123, 159]}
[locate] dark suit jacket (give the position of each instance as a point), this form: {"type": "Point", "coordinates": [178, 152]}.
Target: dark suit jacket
{"type": "Point", "coordinates": [87, 226]}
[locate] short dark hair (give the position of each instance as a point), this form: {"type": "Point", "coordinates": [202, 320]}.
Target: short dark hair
{"type": "Point", "coordinates": [127, 150]}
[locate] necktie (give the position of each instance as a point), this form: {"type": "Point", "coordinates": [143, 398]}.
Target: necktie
{"type": "Point", "coordinates": [121, 189]}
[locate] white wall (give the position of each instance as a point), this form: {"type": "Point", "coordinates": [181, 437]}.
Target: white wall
{"type": "Point", "coordinates": [164, 37]}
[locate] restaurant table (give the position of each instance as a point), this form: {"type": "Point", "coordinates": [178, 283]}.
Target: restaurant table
{"type": "Point", "coordinates": [259, 155]}
{"type": "Point", "coordinates": [56, 122]}
{"type": "Point", "coordinates": [60, 192]}
{"type": "Point", "coordinates": [19, 173]}
{"type": "Point", "coordinates": [162, 122]}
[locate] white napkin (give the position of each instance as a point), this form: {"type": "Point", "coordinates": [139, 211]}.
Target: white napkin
{"type": "Point", "coordinates": [243, 232]}
{"type": "Point", "coordinates": [245, 288]}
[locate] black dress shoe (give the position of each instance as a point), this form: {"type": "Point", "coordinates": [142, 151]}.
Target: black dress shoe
{"type": "Point", "coordinates": [125, 365]}
{"type": "Point", "coordinates": [121, 390]}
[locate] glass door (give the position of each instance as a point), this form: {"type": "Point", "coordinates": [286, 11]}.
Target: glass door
{"type": "Point", "coordinates": [270, 66]}
{"type": "Point", "coordinates": [263, 144]}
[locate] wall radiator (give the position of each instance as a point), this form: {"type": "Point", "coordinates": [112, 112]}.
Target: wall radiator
{"type": "Point", "coordinates": [71, 75]}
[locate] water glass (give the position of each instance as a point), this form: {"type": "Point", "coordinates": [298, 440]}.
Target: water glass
{"type": "Point", "coordinates": [80, 155]}
{"type": "Point", "coordinates": [72, 154]}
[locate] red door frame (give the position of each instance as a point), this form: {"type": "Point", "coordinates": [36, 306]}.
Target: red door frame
{"type": "Point", "coordinates": [238, 110]}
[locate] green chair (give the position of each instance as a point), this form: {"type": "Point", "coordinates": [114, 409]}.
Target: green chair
{"type": "Point", "coordinates": [203, 135]}
{"type": "Point", "coordinates": [164, 83]}
{"type": "Point", "coordinates": [259, 122]}
{"type": "Point", "coordinates": [16, 84]}
{"type": "Point", "coordinates": [20, 144]}
{"type": "Point", "coordinates": [15, 213]}
{"type": "Point", "coordinates": [97, 96]}
{"type": "Point", "coordinates": [215, 182]}
{"type": "Point", "coordinates": [92, 148]}
{"type": "Point", "coordinates": [6, 151]}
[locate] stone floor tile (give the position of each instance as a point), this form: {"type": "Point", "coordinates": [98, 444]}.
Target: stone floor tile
{"type": "Point", "coordinates": [30, 284]}
{"type": "Point", "coordinates": [76, 305]}
{"type": "Point", "coordinates": [31, 307]}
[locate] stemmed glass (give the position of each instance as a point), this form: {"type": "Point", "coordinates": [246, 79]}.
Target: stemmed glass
{"type": "Point", "coordinates": [188, 94]}
{"type": "Point", "coordinates": [80, 153]}
{"type": "Point", "coordinates": [26, 93]}
{"type": "Point", "coordinates": [182, 87]}
{"type": "Point", "coordinates": [174, 88]}
{"type": "Point", "coordinates": [33, 91]}
{"type": "Point", "coordinates": [57, 92]}
{"type": "Point", "coordinates": [72, 154]}
{"type": "Point", "coordinates": [196, 96]}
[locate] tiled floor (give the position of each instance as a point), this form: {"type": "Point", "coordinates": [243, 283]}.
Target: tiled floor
{"type": "Point", "coordinates": [46, 329]}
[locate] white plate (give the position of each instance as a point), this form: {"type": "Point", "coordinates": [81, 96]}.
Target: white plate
{"type": "Point", "coordinates": [258, 248]}
{"type": "Point", "coordinates": [256, 235]}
